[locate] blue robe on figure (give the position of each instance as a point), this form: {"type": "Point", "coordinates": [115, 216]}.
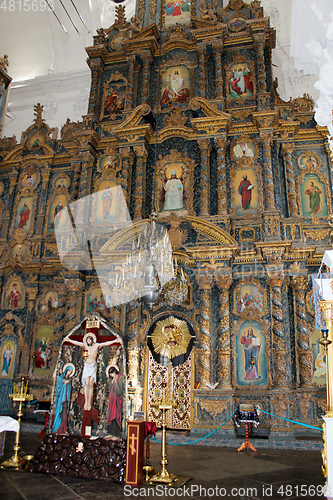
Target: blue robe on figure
{"type": "Point", "coordinates": [63, 397]}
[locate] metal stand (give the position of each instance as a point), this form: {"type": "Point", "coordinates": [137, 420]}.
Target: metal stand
{"type": "Point", "coordinates": [163, 476]}
{"type": "Point", "coordinates": [16, 461]}
{"type": "Point", "coordinates": [147, 469]}
{"type": "Point", "coordinates": [246, 443]}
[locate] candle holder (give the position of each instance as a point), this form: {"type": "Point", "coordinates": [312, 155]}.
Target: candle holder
{"type": "Point", "coordinates": [163, 476]}
{"type": "Point", "coordinates": [19, 395]}
{"type": "Point", "coordinates": [147, 468]}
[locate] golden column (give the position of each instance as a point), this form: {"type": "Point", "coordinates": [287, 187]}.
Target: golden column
{"type": "Point", "coordinates": [32, 291]}
{"type": "Point", "coordinates": [140, 184]}
{"type": "Point", "coordinates": [126, 155]}
{"type": "Point", "coordinates": [75, 288]}
{"type": "Point", "coordinates": [133, 318]}
{"type": "Point", "coordinates": [202, 84]}
{"type": "Point", "coordinates": [43, 198]}
{"type": "Point", "coordinates": [266, 140]}
{"type": "Point", "coordinates": [302, 341]}
{"type": "Point", "coordinates": [204, 352]}
{"type": "Point", "coordinates": [13, 177]}
{"type": "Point", "coordinates": [205, 148]}
{"type": "Point", "coordinates": [279, 348]}
{"type": "Point", "coordinates": [147, 59]}
{"type": "Point", "coordinates": [287, 151]}
{"type": "Point", "coordinates": [218, 49]}
{"type": "Point", "coordinates": [222, 201]}
{"type": "Point", "coordinates": [223, 283]}
{"type": "Point", "coordinates": [131, 60]}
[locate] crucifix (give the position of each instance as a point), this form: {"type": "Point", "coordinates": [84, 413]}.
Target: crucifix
{"type": "Point", "coordinates": [90, 345]}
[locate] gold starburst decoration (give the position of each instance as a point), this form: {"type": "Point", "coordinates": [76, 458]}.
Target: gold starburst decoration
{"type": "Point", "coordinates": [171, 337]}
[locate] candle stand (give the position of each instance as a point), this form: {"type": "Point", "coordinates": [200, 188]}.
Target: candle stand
{"type": "Point", "coordinates": [19, 395]}
{"type": "Point", "coordinates": [164, 476]}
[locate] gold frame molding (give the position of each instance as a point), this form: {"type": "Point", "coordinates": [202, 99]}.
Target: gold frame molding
{"type": "Point", "coordinates": [308, 153]}
{"type": "Point", "coordinates": [20, 195]}
{"type": "Point", "coordinates": [251, 315]}
{"type": "Point", "coordinates": [250, 281]}
{"type": "Point", "coordinates": [246, 161]}
{"type": "Point", "coordinates": [239, 59]}
{"type": "Point", "coordinates": [176, 60]}
{"type": "Point", "coordinates": [244, 166]}
{"type": "Point", "coordinates": [56, 192]}
{"type": "Point", "coordinates": [324, 180]}
{"type": "Point", "coordinates": [162, 166]}
{"type": "Point", "coordinates": [11, 279]}
{"type": "Point", "coordinates": [114, 77]}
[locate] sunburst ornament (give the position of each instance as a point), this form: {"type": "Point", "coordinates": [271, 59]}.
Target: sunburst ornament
{"type": "Point", "coordinates": [171, 337]}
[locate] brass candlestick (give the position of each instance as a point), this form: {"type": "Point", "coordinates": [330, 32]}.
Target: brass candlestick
{"type": "Point", "coordinates": [163, 476]}
{"type": "Point", "coordinates": [147, 468]}
{"type": "Point", "coordinates": [20, 395]}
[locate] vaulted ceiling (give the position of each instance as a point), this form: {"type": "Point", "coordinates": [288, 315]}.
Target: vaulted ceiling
{"type": "Point", "coordinates": [46, 49]}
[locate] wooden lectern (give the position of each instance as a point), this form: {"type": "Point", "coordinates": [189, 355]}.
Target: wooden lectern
{"type": "Point", "coordinates": [135, 446]}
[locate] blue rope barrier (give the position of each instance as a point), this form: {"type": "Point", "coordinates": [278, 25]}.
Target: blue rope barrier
{"type": "Point", "coordinates": [31, 403]}
{"type": "Point", "coordinates": [292, 421]}
{"type": "Point", "coordinates": [200, 439]}
{"type": "Point", "coordinates": [205, 437]}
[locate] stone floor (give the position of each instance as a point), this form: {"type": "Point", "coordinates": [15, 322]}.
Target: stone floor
{"type": "Point", "coordinates": [216, 473]}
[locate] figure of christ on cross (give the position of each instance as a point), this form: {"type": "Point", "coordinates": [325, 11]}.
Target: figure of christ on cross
{"type": "Point", "coordinates": [91, 347]}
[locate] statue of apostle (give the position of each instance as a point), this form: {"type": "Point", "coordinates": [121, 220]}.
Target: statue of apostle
{"type": "Point", "coordinates": [91, 347]}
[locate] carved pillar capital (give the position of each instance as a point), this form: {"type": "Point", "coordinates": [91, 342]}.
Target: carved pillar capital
{"type": "Point", "coordinates": [223, 282]}
{"type": "Point", "coordinates": [146, 57]}
{"type": "Point", "coordinates": [205, 282]}
{"type": "Point", "coordinates": [275, 282]}
{"type": "Point", "coordinates": [46, 175]}
{"type": "Point", "coordinates": [287, 148]}
{"type": "Point", "coordinates": [201, 48]}
{"type": "Point", "coordinates": [204, 144]}
{"type": "Point", "coordinates": [12, 180]}
{"type": "Point", "coordinates": [130, 59]}
{"type": "Point", "coordinates": [299, 283]}
{"type": "Point", "coordinates": [32, 293]}
{"type": "Point", "coordinates": [221, 143]}
{"type": "Point", "coordinates": [266, 139]}
{"type": "Point", "coordinates": [140, 151]}
{"type": "Point", "coordinates": [86, 156]}
{"type": "Point", "coordinates": [74, 285]}
{"type": "Point", "coordinates": [259, 41]}
{"type": "Point", "coordinates": [218, 48]}
{"type": "Point", "coordinates": [125, 152]}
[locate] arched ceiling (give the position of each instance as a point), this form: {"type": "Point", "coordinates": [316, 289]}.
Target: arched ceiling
{"type": "Point", "coordinates": [45, 60]}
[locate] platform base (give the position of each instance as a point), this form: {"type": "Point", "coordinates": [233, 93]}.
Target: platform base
{"type": "Point", "coordinates": [163, 477]}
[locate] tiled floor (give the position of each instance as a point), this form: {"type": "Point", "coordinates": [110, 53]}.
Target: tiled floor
{"type": "Point", "coordinates": [216, 473]}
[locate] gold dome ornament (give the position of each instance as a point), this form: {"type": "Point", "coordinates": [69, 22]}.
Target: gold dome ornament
{"type": "Point", "coordinates": [171, 337]}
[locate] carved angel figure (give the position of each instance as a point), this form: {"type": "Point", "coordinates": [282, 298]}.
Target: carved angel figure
{"type": "Point", "coordinates": [135, 25]}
